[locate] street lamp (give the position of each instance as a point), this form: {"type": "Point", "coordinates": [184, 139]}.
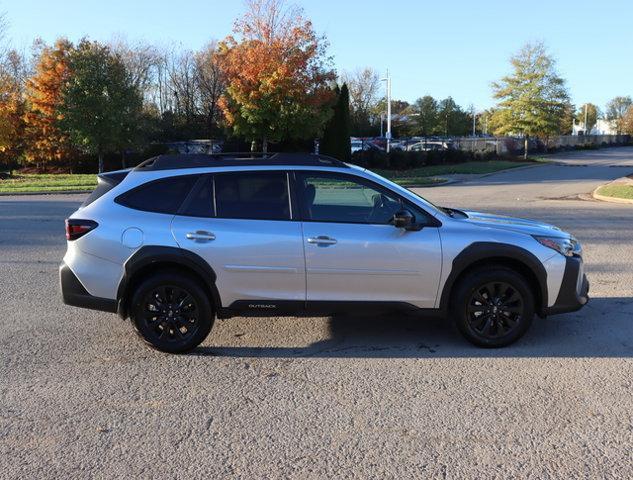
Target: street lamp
{"type": "Point", "coordinates": [388, 80]}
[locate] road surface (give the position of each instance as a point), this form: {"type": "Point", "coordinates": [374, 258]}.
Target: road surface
{"type": "Point", "coordinates": [390, 397]}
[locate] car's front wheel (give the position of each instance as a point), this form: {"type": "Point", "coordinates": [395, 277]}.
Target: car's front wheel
{"type": "Point", "coordinates": [171, 312]}
{"type": "Point", "coordinates": [493, 307]}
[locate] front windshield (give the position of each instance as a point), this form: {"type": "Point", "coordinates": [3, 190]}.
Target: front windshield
{"type": "Point", "coordinates": [406, 192]}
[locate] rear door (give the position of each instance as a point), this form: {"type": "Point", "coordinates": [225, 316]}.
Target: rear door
{"type": "Point", "coordinates": [352, 251]}
{"type": "Point", "coordinates": [242, 224]}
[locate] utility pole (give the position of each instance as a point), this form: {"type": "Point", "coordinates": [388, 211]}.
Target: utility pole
{"type": "Point", "coordinates": [388, 80]}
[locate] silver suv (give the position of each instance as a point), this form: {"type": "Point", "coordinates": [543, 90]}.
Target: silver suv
{"type": "Point", "coordinates": [182, 239]}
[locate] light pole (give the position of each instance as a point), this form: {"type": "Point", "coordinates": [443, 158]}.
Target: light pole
{"type": "Point", "coordinates": [388, 80]}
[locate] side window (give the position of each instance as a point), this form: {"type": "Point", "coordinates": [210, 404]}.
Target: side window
{"type": "Point", "coordinates": [252, 195]}
{"type": "Point", "coordinates": [160, 196]}
{"type": "Point", "coordinates": [200, 202]}
{"type": "Point", "coordinates": [343, 199]}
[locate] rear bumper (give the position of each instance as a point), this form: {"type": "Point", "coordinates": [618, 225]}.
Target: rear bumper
{"type": "Point", "coordinates": [574, 289]}
{"type": "Point", "coordinates": [74, 293]}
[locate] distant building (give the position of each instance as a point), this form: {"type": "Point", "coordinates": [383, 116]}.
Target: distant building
{"type": "Point", "coordinates": [602, 127]}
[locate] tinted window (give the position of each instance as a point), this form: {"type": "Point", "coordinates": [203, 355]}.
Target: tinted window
{"type": "Point", "coordinates": [254, 195]}
{"type": "Point", "coordinates": [200, 202]}
{"type": "Point", "coordinates": [161, 196]}
{"type": "Point", "coordinates": [342, 199]}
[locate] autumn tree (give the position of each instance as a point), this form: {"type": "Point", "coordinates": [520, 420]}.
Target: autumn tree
{"type": "Point", "coordinates": [588, 115]}
{"type": "Point", "coordinates": [617, 109]}
{"type": "Point", "coordinates": [277, 75]}
{"type": "Point", "coordinates": [100, 105]}
{"type": "Point", "coordinates": [45, 142]}
{"type": "Point", "coordinates": [336, 134]}
{"type": "Point", "coordinates": [532, 99]}
{"type": "Point", "coordinates": [13, 72]}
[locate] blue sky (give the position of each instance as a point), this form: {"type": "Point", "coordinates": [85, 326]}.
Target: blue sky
{"type": "Point", "coordinates": [439, 48]}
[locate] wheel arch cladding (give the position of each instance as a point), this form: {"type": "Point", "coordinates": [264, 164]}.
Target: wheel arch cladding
{"type": "Point", "coordinates": [150, 259]}
{"type": "Point", "coordinates": [480, 254]}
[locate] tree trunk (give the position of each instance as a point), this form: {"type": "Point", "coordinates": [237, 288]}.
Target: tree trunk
{"type": "Point", "coordinates": [100, 162]}
{"type": "Point", "coordinates": [123, 159]}
{"type": "Point", "coordinates": [264, 145]}
{"type": "Point", "coordinates": [525, 148]}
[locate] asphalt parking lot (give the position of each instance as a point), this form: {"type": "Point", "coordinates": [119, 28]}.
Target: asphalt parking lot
{"type": "Point", "coordinates": [82, 397]}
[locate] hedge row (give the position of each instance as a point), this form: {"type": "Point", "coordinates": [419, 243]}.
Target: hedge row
{"type": "Point", "coordinates": [400, 160]}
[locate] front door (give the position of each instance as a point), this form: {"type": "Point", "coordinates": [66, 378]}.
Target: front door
{"type": "Point", "coordinates": [241, 224]}
{"type": "Point", "coordinates": [352, 251]}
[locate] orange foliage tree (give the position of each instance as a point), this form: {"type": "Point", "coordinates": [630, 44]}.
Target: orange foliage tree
{"type": "Point", "coordinates": [277, 75]}
{"type": "Point", "coordinates": [12, 108]}
{"type": "Point", "coordinates": [45, 141]}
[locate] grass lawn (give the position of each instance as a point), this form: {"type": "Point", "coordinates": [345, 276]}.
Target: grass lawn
{"type": "Point", "coordinates": [33, 183]}
{"type": "Point", "coordinates": [428, 175]}
{"type": "Point", "coordinates": [617, 191]}
{"type": "Point", "coordinates": [22, 183]}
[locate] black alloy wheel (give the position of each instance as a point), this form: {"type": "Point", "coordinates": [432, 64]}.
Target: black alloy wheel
{"type": "Point", "coordinates": [495, 309]}
{"type": "Point", "coordinates": [493, 306]}
{"type": "Point", "coordinates": [171, 312]}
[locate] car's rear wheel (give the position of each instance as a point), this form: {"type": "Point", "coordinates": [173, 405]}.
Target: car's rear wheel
{"type": "Point", "coordinates": [493, 307]}
{"type": "Point", "coordinates": [171, 312]}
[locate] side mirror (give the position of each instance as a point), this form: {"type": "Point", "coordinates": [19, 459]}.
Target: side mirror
{"type": "Point", "coordinates": [404, 219]}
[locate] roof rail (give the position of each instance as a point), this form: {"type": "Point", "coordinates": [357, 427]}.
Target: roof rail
{"type": "Point", "coordinates": [181, 161]}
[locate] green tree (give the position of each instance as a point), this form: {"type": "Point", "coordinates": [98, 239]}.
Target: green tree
{"type": "Point", "coordinates": [532, 99]}
{"type": "Point", "coordinates": [336, 135]}
{"type": "Point", "coordinates": [451, 119]}
{"type": "Point", "coordinates": [567, 119]}
{"type": "Point", "coordinates": [425, 120]}
{"type": "Point", "coordinates": [101, 106]}
{"type": "Point", "coordinates": [616, 111]}
{"type": "Point", "coordinates": [588, 115]}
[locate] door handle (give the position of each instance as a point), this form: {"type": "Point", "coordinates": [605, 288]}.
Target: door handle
{"type": "Point", "coordinates": [200, 236]}
{"type": "Point", "coordinates": [322, 240]}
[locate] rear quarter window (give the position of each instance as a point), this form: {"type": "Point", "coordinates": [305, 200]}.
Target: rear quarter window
{"type": "Point", "coordinates": [159, 196]}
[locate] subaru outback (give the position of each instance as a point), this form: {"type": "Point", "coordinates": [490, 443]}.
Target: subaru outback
{"type": "Point", "coordinates": [181, 240]}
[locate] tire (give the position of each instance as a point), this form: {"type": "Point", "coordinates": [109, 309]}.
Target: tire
{"type": "Point", "coordinates": [493, 307]}
{"type": "Point", "coordinates": [171, 312]}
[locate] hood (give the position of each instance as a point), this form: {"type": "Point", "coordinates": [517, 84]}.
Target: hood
{"type": "Point", "coordinates": [520, 225]}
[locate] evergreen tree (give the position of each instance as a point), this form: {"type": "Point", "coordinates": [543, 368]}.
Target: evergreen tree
{"type": "Point", "coordinates": [336, 135]}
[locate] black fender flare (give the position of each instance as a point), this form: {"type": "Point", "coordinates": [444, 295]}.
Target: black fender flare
{"type": "Point", "coordinates": [492, 251]}
{"type": "Point", "coordinates": [154, 255]}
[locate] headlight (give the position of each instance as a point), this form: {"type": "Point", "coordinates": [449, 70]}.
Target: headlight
{"type": "Point", "coordinates": [567, 246]}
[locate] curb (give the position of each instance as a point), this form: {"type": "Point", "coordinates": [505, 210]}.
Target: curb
{"type": "Point", "coordinates": [604, 198]}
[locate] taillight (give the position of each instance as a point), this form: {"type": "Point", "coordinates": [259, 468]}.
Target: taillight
{"type": "Point", "coordinates": [78, 228]}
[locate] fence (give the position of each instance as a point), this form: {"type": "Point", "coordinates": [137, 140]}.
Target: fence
{"type": "Point", "coordinates": [501, 145]}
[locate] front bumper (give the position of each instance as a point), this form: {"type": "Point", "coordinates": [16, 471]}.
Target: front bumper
{"type": "Point", "coordinates": [574, 289]}
{"type": "Point", "coordinates": [74, 293]}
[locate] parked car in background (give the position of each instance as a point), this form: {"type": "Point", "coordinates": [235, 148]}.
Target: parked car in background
{"type": "Point", "coordinates": [427, 146]}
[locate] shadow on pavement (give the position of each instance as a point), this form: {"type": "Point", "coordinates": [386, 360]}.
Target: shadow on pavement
{"type": "Point", "coordinates": [604, 328]}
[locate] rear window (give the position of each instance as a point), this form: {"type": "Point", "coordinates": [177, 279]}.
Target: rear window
{"type": "Point", "coordinates": [160, 196]}
{"type": "Point", "coordinates": [252, 195]}
{"type": "Point", "coordinates": [105, 183]}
